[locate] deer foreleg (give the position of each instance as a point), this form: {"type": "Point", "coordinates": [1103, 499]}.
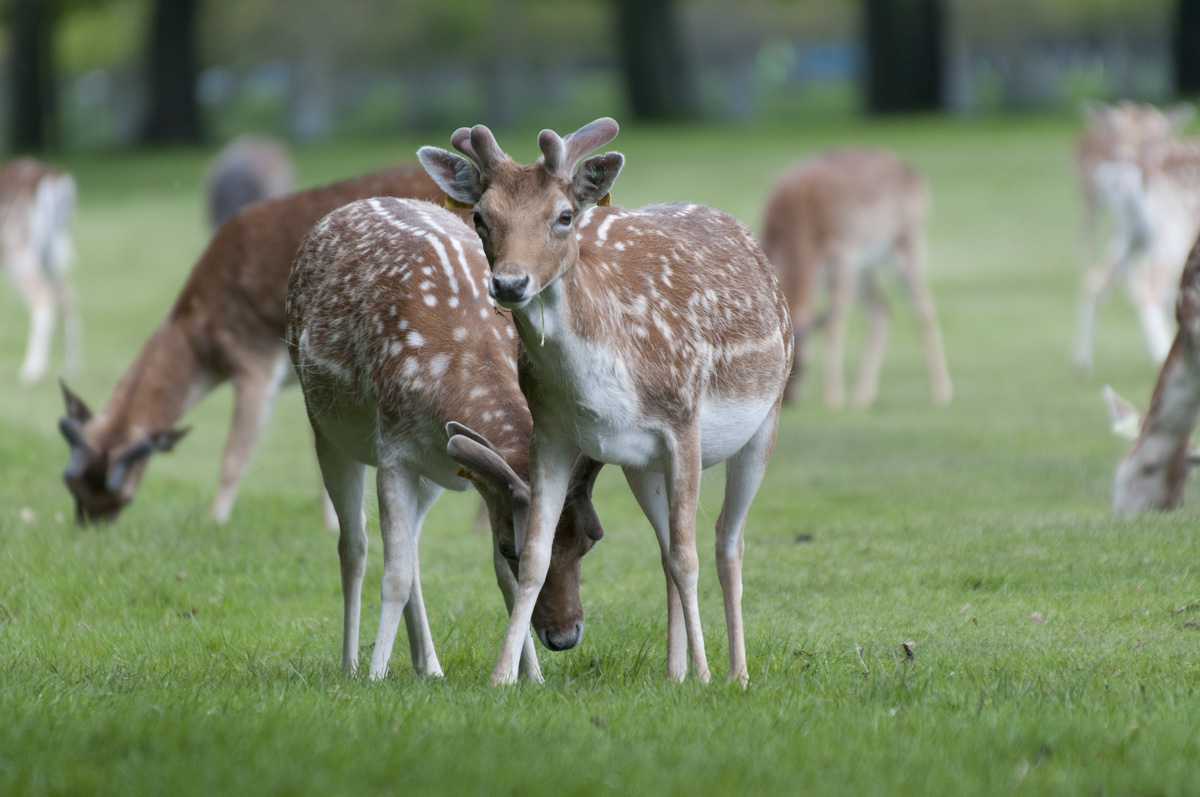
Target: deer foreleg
{"type": "Point", "coordinates": [343, 479]}
{"type": "Point", "coordinates": [529, 668]}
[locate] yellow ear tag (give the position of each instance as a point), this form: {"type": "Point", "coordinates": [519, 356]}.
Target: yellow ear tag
{"type": "Point", "coordinates": [454, 204]}
{"type": "Point", "coordinates": [603, 202]}
{"type": "Point", "coordinates": [466, 474]}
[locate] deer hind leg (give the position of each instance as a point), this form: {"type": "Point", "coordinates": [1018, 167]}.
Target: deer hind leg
{"type": "Point", "coordinates": [877, 329]}
{"type": "Point", "coordinates": [743, 475]}
{"type": "Point", "coordinates": [403, 501]}
{"type": "Point", "coordinates": [529, 668]}
{"type": "Point", "coordinates": [38, 294]}
{"type": "Point", "coordinates": [911, 254]}
{"type": "Point", "coordinates": [343, 479]}
{"type": "Point", "coordinates": [254, 388]}
{"type": "Point", "coordinates": [650, 490]}
{"type": "Point", "coordinates": [683, 494]}
{"type": "Point", "coordinates": [1097, 284]}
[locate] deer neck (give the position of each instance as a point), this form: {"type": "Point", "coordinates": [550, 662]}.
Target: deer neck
{"type": "Point", "coordinates": [160, 385]}
{"type": "Point", "coordinates": [1175, 404]}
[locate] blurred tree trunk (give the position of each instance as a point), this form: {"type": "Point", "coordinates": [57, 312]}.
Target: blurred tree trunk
{"type": "Point", "coordinates": [904, 42]}
{"type": "Point", "coordinates": [173, 116]}
{"type": "Point", "coordinates": [33, 118]}
{"type": "Point", "coordinates": [1186, 45]}
{"type": "Point", "coordinates": [658, 82]}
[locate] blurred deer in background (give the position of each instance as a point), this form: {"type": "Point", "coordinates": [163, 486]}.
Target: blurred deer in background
{"type": "Point", "coordinates": [655, 339]}
{"type": "Point", "coordinates": [1148, 180]}
{"type": "Point", "coordinates": [36, 205]}
{"type": "Point", "coordinates": [1159, 464]}
{"type": "Point", "coordinates": [406, 366]}
{"type": "Point", "coordinates": [226, 324]}
{"type": "Point", "coordinates": [249, 169]}
{"type": "Point", "coordinates": [831, 223]}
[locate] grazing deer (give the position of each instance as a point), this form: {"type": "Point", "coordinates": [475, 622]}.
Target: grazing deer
{"type": "Point", "coordinates": [1159, 465]}
{"type": "Point", "coordinates": [406, 365]}
{"type": "Point", "coordinates": [829, 223]}
{"type": "Point", "coordinates": [249, 169]}
{"type": "Point", "coordinates": [655, 339]}
{"type": "Point", "coordinates": [226, 324]}
{"type": "Point", "coordinates": [1151, 186]}
{"type": "Point", "coordinates": [36, 205]}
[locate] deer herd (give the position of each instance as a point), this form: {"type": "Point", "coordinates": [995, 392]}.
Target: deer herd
{"type": "Point", "coordinates": [478, 322]}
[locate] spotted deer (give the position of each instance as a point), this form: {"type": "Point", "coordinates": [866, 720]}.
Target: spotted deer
{"type": "Point", "coordinates": [406, 366]}
{"type": "Point", "coordinates": [247, 170]}
{"type": "Point", "coordinates": [1150, 184]}
{"type": "Point", "coordinates": [831, 222]}
{"type": "Point", "coordinates": [226, 324]}
{"type": "Point", "coordinates": [1159, 464]}
{"type": "Point", "coordinates": [655, 339]}
{"type": "Point", "coordinates": [36, 205]}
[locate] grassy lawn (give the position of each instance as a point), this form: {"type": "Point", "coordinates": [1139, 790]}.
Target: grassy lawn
{"type": "Point", "coordinates": [1056, 649]}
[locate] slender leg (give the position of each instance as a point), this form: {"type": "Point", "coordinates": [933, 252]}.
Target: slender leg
{"type": "Point", "coordinates": [403, 502]}
{"type": "Point", "coordinates": [1097, 283]}
{"type": "Point", "coordinates": [683, 494]}
{"type": "Point", "coordinates": [343, 478]}
{"type": "Point", "coordinates": [650, 490]}
{"type": "Point", "coordinates": [877, 330]}
{"type": "Point", "coordinates": [550, 462]}
{"type": "Point", "coordinates": [840, 299]}
{"type": "Point", "coordinates": [254, 389]}
{"type": "Point", "coordinates": [38, 295]}
{"type": "Point", "coordinates": [743, 475]}
{"type": "Point", "coordinates": [529, 668]}
{"type": "Point", "coordinates": [912, 266]}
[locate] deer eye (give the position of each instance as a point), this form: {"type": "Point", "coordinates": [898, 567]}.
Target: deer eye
{"type": "Point", "coordinates": [480, 227]}
{"type": "Point", "coordinates": [565, 218]}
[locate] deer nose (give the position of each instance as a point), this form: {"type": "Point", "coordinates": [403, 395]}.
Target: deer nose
{"type": "Point", "coordinates": [508, 288]}
{"type": "Point", "coordinates": [563, 639]}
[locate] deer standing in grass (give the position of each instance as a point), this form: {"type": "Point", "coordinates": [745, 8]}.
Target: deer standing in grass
{"type": "Point", "coordinates": [831, 223]}
{"type": "Point", "coordinates": [655, 339]}
{"type": "Point", "coordinates": [406, 365]}
{"type": "Point", "coordinates": [226, 324]}
{"type": "Point", "coordinates": [36, 205]}
{"type": "Point", "coordinates": [1150, 183]}
{"type": "Point", "coordinates": [248, 169]}
{"type": "Point", "coordinates": [1159, 464]}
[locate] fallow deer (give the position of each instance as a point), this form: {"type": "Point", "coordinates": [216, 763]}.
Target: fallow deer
{"type": "Point", "coordinates": [831, 222]}
{"type": "Point", "coordinates": [406, 365]}
{"type": "Point", "coordinates": [1158, 465]}
{"type": "Point", "coordinates": [36, 205]}
{"type": "Point", "coordinates": [1150, 184]}
{"type": "Point", "coordinates": [656, 339]}
{"type": "Point", "coordinates": [226, 324]}
{"type": "Point", "coordinates": [247, 170]}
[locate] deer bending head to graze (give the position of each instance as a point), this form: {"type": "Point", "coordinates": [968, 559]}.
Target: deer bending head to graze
{"type": "Point", "coordinates": [1159, 464]}
{"type": "Point", "coordinates": [226, 324]}
{"type": "Point", "coordinates": [248, 169]}
{"type": "Point", "coordinates": [36, 205]}
{"type": "Point", "coordinates": [406, 365]}
{"type": "Point", "coordinates": [655, 339]}
{"type": "Point", "coordinates": [1149, 182]}
{"type": "Point", "coordinates": [829, 223]}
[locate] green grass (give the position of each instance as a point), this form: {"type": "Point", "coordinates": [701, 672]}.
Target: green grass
{"type": "Point", "coordinates": [168, 655]}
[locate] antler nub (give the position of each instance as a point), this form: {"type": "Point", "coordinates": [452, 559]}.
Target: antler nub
{"type": "Point", "coordinates": [487, 151]}
{"type": "Point", "coordinates": [553, 151]}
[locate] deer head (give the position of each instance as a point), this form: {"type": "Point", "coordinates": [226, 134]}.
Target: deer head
{"type": "Point", "coordinates": [558, 613]}
{"type": "Point", "coordinates": [525, 215]}
{"type": "Point", "coordinates": [103, 478]}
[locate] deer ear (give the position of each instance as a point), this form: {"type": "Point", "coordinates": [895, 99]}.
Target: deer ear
{"type": "Point", "coordinates": [1125, 418]}
{"type": "Point", "coordinates": [583, 479]}
{"type": "Point", "coordinates": [76, 409]}
{"type": "Point", "coordinates": [454, 174]}
{"type": "Point", "coordinates": [155, 441]}
{"type": "Point", "coordinates": [474, 453]}
{"type": "Point", "coordinates": [596, 176]}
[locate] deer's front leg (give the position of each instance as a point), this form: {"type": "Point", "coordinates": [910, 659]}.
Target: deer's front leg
{"type": "Point", "coordinates": [650, 490]}
{"type": "Point", "coordinates": [683, 494]}
{"type": "Point", "coordinates": [530, 670]}
{"type": "Point", "coordinates": [840, 300]}
{"type": "Point", "coordinates": [254, 387]}
{"type": "Point", "coordinates": [550, 461]}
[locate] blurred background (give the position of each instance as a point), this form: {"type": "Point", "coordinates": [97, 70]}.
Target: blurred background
{"type": "Point", "coordinates": [115, 74]}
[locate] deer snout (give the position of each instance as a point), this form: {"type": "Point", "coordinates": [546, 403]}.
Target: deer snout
{"type": "Point", "coordinates": [510, 288]}
{"type": "Point", "coordinates": [561, 639]}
